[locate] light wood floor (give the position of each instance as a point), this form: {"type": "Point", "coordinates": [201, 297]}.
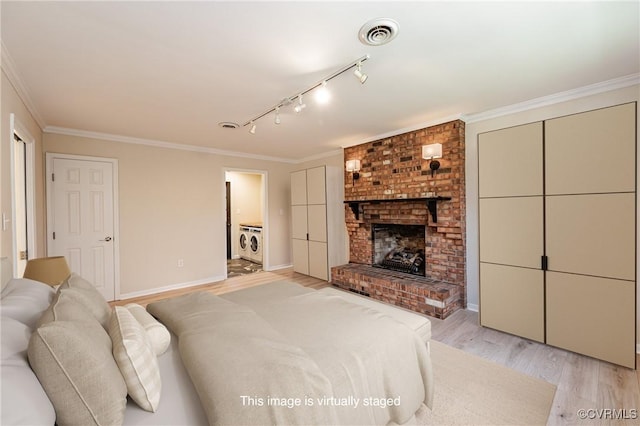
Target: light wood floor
{"type": "Point", "coordinates": [583, 383]}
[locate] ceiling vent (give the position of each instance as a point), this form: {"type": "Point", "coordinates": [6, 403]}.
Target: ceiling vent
{"type": "Point", "coordinates": [228, 125]}
{"type": "Point", "coordinates": [378, 31]}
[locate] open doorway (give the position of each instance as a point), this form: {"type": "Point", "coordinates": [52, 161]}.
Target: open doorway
{"type": "Point", "coordinates": [23, 196]}
{"type": "Point", "coordinates": [246, 230]}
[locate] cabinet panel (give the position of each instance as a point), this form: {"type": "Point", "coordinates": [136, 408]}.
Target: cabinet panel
{"type": "Point", "coordinates": [317, 222]}
{"type": "Point", "coordinates": [316, 187]}
{"type": "Point", "coordinates": [511, 231]}
{"type": "Point", "coordinates": [299, 188]}
{"type": "Point", "coordinates": [592, 234]}
{"type": "Point", "coordinates": [592, 152]}
{"type": "Point", "coordinates": [592, 316]}
{"type": "Point", "coordinates": [512, 300]}
{"type": "Point", "coordinates": [318, 260]}
{"type": "Point", "coordinates": [299, 222]}
{"type": "Point", "coordinates": [300, 256]}
{"type": "Point", "coordinates": [510, 161]}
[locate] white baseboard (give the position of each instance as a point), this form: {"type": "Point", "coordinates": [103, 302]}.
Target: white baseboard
{"type": "Point", "coordinates": [472, 307]}
{"type": "Point", "coordinates": [171, 287]}
{"type": "Point", "coordinates": [277, 267]}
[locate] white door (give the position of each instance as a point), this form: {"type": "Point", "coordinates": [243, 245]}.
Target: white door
{"type": "Point", "coordinates": [82, 218]}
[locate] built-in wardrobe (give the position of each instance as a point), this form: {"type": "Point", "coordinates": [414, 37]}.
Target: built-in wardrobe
{"type": "Point", "coordinates": [557, 232]}
{"type": "Point", "coordinates": [317, 217]}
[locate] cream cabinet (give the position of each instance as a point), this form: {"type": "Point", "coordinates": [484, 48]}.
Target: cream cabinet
{"type": "Point", "coordinates": [558, 232]}
{"type": "Point", "coordinates": [317, 220]}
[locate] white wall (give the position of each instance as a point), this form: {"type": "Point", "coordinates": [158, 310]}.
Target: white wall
{"type": "Point", "coordinates": [587, 103]}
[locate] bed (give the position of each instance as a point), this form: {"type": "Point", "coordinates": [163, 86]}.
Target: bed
{"type": "Point", "coordinates": [278, 353]}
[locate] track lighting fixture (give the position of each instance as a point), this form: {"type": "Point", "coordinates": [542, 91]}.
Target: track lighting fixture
{"type": "Point", "coordinates": [277, 119]}
{"type": "Point", "coordinates": [301, 105]}
{"type": "Point", "coordinates": [359, 74]}
{"type": "Point", "coordinates": [322, 94]}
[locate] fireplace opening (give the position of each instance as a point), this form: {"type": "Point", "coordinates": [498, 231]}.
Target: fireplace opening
{"type": "Point", "coordinates": [399, 248]}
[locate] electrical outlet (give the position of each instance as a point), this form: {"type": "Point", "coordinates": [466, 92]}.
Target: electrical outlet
{"type": "Point", "coordinates": [180, 263]}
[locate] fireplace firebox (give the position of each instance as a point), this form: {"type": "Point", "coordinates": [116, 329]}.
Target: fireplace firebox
{"type": "Point", "coordinates": [399, 248]}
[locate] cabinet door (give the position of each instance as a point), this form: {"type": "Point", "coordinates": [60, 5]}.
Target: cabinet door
{"type": "Point", "coordinates": [317, 222]}
{"type": "Point", "coordinates": [299, 188]}
{"type": "Point", "coordinates": [316, 187]}
{"type": "Point", "coordinates": [318, 260]}
{"type": "Point", "coordinates": [299, 219]}
{"type": "Point", "coordinates": [300, 256]}
{"type": "Point", "coordinates": [591, 152]}
{"type": "Point", "coordinates": [511, 231]}
{"type": "Point", "coordinates": [592, 316]}
{"type": "Point", "coordinates": [512, 300]}
{"type": "Point", "coordinates": [592, 234]}
{"type": "Point", "coordinates": [510, 162]}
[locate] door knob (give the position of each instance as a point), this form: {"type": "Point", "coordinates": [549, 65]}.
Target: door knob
{"type": "Point", "coordinates": [107, 239]}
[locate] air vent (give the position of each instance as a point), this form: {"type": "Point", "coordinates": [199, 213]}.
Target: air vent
{"type": "Point", "coordinates": [378, 31]}
{"type": "Point", "coordinates": [228, 125]}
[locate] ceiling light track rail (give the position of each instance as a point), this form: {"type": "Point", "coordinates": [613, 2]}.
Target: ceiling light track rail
{"type": "Point", "coordinates": [298, 96]}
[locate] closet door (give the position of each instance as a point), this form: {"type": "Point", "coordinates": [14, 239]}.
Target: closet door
{"type": "Point", "coordinates": [511, 230]}
{"type": "Point", "coordinates": [591, 233]}
{"type": "Point", "coordinates": [299, 222]}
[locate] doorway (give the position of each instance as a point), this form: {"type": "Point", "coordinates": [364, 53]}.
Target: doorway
{"type": "Point", "coordinates": [82, 217]}
{"type": "Point", "coordinates": [246, 219]}
{"type": "Point", "coordinates": [23, 196]}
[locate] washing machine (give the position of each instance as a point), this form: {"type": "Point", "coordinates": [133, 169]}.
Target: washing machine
{"type": "Point", "coordinates": [244, 241]}
{"type": "Point", "coordinates": [255, 244]}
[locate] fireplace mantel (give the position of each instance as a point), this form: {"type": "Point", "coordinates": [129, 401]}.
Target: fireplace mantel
{"type": "Point", "coordinates": [432, 204]}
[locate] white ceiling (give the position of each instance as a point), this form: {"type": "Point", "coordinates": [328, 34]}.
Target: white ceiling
{"type": "Point", "coordinates": [171, 71]}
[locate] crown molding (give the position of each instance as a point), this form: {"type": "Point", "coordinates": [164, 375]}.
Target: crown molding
{"type": "Point", "coordinates": [556, 98]}
{"type": "Point", "coordinates": [160, 144]}
{"type": "Point", "coordinates": [9, 67]}
{"type": "Point", "coordinates": [320, 156]}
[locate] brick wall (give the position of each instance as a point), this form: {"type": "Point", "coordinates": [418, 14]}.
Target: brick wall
{"type": "Point", "coordinates": [393, 168]}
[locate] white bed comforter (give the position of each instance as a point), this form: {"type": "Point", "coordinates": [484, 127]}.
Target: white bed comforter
{"type": "Point", "coordinates": [306, 359]}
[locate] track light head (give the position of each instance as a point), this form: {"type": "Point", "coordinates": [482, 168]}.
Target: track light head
{"type": "Point", "coordinates": [301, 105]}
{"type": "Point", "coordinates": [277, 119]}
{"type": "Point", "coordinates": [322, 93]}
{"type": "Point", "coordinates": [359, 74]}
{"type": "Point", "coordinates": [253, 128]}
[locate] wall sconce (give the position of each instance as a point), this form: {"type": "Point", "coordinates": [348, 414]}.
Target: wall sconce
{"type": "Point", "coordinates": [431, 152]}
{"type": "Point", "coordinates": [353, 166]}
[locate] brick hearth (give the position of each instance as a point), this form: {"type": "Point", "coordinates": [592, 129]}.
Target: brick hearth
{"type": "Point", "coordinates": [393, 188]}
{"type": "Point", "coordinates": [420, 294]}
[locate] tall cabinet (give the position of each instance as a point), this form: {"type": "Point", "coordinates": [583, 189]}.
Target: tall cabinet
{"type": "Point", "coordinates": [318, 232]}
{"type": "Point", "coordinates": [558, 232]}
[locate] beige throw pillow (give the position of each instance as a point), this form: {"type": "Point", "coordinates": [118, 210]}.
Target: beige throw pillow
{"type": "Point", "coordinates": [156, 331]}
{"type": "Point", "coordinates": [75, 366]}
{"type": "Point", "coordinates": [83, 292]}
{"type": "Point", "coordinates": [136, 359]}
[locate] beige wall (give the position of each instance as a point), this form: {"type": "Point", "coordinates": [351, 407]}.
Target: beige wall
{"type": "Point", "coordinates": [601, 100]}
{"type": "Point", "coordinates": [172, 206]}
{"type": "Point", "coordinates": [12, 104]}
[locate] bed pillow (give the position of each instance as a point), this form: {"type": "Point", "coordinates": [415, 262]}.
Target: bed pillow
{"type": "Point", "coordinates": [24, 401]}
{"type": "Point", "coordinates": [25, 300]}
{"type": "Point", "coordinates": [136, 359]}
{"type": "Point", "coordinates": [74, 363]}
{"type": "Point", "coordinates": [87, 295]}
{"type": "Point", "coordinates": [156, 331]}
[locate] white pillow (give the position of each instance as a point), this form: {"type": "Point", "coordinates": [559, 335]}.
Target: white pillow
{"type": "Point", "coordinates": [24, 401]}
{"type": "Point", "coordinates": [25, 300]}
{"type": "Point", "coordinates": [158, 334]}
{"type": "Point", "coordinates": [136, 359]}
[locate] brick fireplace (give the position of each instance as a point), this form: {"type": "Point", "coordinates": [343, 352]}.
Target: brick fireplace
{"type": "Point", "coordinates": [396, 189]}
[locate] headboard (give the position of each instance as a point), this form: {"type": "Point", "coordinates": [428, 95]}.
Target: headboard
{"type": "Point", "coordinates": [6, 271]}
